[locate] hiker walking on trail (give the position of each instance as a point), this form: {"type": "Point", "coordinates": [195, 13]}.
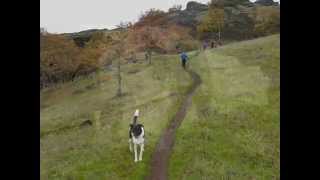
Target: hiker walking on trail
{"type": "Point", "coordinates": [212, 44]}
{"type": "Point", "coordinates": [184, 58]}
{"type": "Point", "coordinates": [205, 45]}
{"type": "Point", "coordinates": [146, 56]}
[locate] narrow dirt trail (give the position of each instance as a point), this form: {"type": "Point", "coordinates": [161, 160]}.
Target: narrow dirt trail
{"type": "Point", "coordinates": [160, 157]}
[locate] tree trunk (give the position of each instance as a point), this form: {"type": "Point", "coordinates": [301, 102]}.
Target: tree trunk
{"type": "Point", "coordinates": [149, 56]}
{"type": "Point", "coordinates": [119, 92]}
{"type": "Point", "coordinates": [98, 76]}
{"type": "Point", "coordinates": [219, 33]}
{"type": "Point", "coordinates": [146, 56]}
{"type": "Point", "coordinates": [74, 74]}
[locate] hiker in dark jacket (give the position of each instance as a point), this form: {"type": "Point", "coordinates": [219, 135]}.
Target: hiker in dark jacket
{"type": "Point", "coordinates": [146, 56]}
{"type": "Point", "coordinates": [184, 58]}
{"type": "Point", "coordinates": [205, 45]}
{"type": "Point", "coordinates": [212, 44]}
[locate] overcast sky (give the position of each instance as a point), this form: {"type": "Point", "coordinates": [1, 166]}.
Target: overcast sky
{"type": "Point", "coordinates": [64, 16]}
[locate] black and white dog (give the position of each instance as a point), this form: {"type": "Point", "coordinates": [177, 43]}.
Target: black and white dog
{"type": "Point", "coordinates": [136, 136]}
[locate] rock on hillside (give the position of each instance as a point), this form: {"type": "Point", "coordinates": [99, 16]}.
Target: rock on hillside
{"type": "Point", "coordinates": [189, 16]}
{"type": "Point", "coordinates": [237, 21]}
{"type": "Point", "coordinates": [85, 33]}
{"type": "Point", "coordinates": [195, 6]}
{"type": "Point", "coordinates": [266, 3]}
{"type": "Point", "coordinates": [195, 10]}
{"type": "Point", "coordinates": [82, 37]}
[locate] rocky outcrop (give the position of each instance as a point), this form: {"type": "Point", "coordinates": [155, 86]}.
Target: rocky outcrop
{"type": "Point", "coordinates": [190, 16]}
{"type": "Point", "coordinates": [237, 21]}
{"type": "Point", "coordinates": [195, 6]}
{"type": "Point", "coordinates": [235, 3]}
{"type": "Point", "coordinates": [80, 38]}
{"type": "Point", "coordinates": [266, 3]}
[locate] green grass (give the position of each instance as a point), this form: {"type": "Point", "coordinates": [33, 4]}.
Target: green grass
{"type": "Point", "coordinates": [102, 152]}
{"type": "Point", "coordinates": [232, 130]}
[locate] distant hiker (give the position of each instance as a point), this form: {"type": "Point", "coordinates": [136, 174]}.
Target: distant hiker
{"type": "Point", "coordinates": [184, 58]}
{"type": "Point", "coordinates": [205, 45]}
{"type": "Point", "coordinates": [133, 57]}
{"type": "Point", "coordinates": [212, 44]}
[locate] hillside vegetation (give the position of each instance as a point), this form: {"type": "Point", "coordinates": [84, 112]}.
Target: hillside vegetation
{"type": "Point", "coordinates": [70, 149]}
{"type": "Point", "coordinates": [231, 129]}
{"type": "Point", "coordinates": [65, 57]}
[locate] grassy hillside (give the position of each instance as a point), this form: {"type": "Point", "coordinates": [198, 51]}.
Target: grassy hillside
{"type": "Point", "coordinates": [233, 127]}
{"type": "Point", "coordinates": [102, 151]}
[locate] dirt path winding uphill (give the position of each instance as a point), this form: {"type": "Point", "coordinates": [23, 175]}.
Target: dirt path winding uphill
{"type": "Point", "coordinates": [163, 149]}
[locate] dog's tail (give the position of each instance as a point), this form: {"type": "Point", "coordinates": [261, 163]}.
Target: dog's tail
{"type": "Point", "coordinates": [135, 116]}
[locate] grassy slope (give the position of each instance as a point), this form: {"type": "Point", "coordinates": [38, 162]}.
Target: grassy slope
{"type": "Point", "coordinates": [101, 152]}
{"type": "Point", "coordinates": [233, 127]}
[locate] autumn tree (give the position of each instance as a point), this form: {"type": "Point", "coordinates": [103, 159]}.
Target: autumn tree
{"type": "Point", "coordinates": [146, 39]}
{"type": "Point", "coordinates": [152, 17]}
{"type": "Point", "coordinates": [178, 37]}
{"type": "Point", "coordinates": [98, 40]}
{"type": "Point", "coordinates": [119, 50]}
{"type": "Point", "coordinates": [213, 22]}
{"type": "Point", "coordinates": [266, 20]}
{"type": "Point", "coordinates": [58, 59]}
{"type": "Point", "coordinates": [154, 33]}
{"type": "Point", "coordinates": [62, 60]}
{"type": "Point", "coordinates": [160, 39]}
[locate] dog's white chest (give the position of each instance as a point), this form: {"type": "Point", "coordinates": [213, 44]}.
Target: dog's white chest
{"type": "Point", "coordinates": [138, 140]}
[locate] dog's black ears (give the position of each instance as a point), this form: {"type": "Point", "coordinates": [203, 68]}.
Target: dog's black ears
{"type": "Point", "coordinates": [138, 125]}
